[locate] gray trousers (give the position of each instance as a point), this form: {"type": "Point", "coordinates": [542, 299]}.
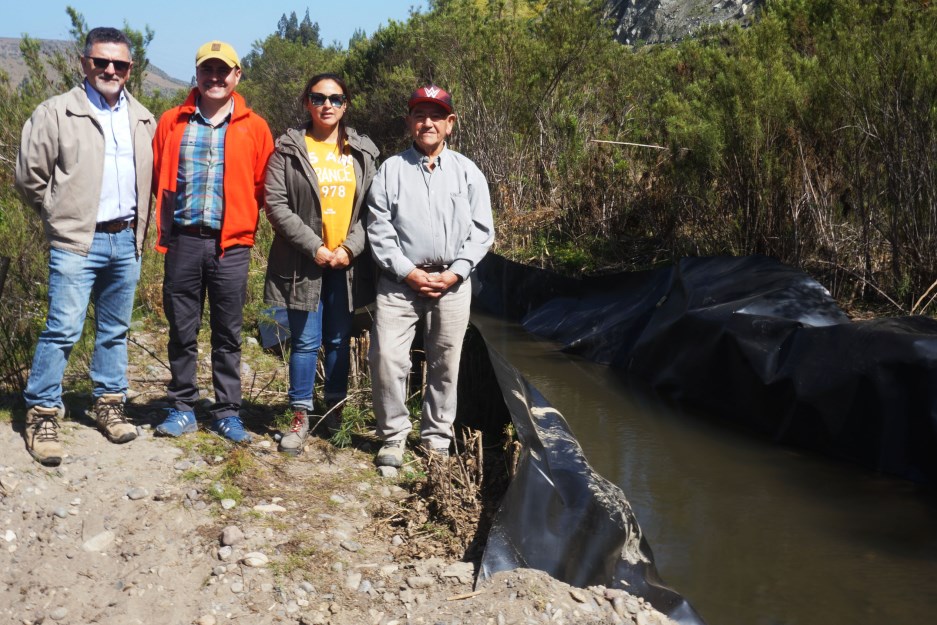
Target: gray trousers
{"type": "Point", "coordinates": [399, 308]}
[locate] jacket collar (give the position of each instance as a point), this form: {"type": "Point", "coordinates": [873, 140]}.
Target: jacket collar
{"type": "Point", "coordinates": [77, 103]}
{"type": "Point", "coordinates": [296, 138]}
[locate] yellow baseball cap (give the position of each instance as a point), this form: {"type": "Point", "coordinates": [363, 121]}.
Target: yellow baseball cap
{"type": "Point", "coordinates": [217, 50]}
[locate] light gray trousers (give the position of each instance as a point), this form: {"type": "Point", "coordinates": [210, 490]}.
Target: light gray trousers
{"type": "Point", "coordinates": [399, 308]}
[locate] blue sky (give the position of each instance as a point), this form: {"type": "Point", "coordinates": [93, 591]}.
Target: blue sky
{"type": "Point", "coordinates": [181, 27]}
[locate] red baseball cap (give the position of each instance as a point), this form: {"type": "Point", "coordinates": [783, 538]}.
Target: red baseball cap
{"type": "Point", "coordinates": [433, 95]}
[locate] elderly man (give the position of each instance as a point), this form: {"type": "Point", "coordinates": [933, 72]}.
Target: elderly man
{"type": "Point", "coordinates": [210, 153]}
{"type": "Point", "coordinates": [429, 225]}
{"type": "Point", "coordinates": [85, 164]}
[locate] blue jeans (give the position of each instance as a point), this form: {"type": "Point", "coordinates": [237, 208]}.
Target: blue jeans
{"type": "Point", "coordinates": [329, 326]}
{"type": "Point", "coordinates": [107, 277]}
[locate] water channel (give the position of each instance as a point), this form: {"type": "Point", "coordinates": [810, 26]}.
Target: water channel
{"type": "Point", "coordinates": [749, 532]}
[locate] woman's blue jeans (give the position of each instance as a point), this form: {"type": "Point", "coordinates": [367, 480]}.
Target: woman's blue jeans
{"type": "Point", "coordinates": [329, 326]}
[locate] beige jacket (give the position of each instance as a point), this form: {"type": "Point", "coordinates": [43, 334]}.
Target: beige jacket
{"type": "Point", "coordinates": [60, 163]}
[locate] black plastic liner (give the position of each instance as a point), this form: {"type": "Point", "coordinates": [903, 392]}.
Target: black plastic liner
{"type": "Point", "coordinates": [749, 340]}
{"type": "Point", "coordinates": [561, 517]}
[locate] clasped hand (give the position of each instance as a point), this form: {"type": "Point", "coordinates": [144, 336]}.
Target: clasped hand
{"type": "Point", "coordinates": [431, 284]}
{"type": "Point", "coordinates": [337, 259]}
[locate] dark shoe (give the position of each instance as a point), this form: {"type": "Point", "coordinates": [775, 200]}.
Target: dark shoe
{"type": "Point", "coordinates": [42, 435]}
{"type": "Point", "coordinates": [108, 413]}
{"type": "Point", "coordinates": [231, 428]}
{"type": "Point", "coordinates": [293, 441]}
{"type": "Point", "coordinates": [177, 423]}
{"type": "Point", "coordinates": [333, 417]}
{"type": "Point", "coordinates": [391, 454]}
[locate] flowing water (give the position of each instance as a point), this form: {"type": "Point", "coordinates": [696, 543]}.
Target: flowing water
{"type": "Point", "coordinates": [749, 532]}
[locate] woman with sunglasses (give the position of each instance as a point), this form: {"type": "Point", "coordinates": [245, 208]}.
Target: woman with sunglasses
{"type": "Point", "coordinates": [317, 182]}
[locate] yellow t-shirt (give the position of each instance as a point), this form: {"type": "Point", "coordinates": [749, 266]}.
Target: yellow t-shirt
{"type": "Point", "coordinates": [336, 174]}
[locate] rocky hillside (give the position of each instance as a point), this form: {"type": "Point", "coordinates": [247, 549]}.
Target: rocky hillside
{"type": "Point", "coordinates": [653, 21]}
{"type": "Point", "coordinates": [11, 62]}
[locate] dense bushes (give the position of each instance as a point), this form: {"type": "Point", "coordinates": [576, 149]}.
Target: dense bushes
{"type": "Point", "coordinates": [811, 136]}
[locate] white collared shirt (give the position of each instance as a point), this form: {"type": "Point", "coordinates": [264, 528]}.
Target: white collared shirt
{"type": "Point", "coordinates": [119, 180]}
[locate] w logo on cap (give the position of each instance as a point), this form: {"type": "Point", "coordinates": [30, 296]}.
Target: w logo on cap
{"type": "Point", "coordinates": [433, 95]}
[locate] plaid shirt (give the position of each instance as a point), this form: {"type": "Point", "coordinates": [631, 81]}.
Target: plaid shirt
{"type": "Point", "coordinates": [200, 181]}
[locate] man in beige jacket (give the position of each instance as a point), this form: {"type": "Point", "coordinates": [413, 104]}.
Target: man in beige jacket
{"type": "Point", "coordinates": [85, 164]}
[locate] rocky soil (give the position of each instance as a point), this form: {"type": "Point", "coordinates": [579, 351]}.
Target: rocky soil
{"type": "Point", "coordinates": [197, 531]}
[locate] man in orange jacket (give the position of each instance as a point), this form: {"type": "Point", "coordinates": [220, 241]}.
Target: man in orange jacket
{"type": "Point", "coordinates": [209, 154]}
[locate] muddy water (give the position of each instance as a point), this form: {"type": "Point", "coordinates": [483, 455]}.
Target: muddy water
{"type": "Point", "coordinates": [748, 532]}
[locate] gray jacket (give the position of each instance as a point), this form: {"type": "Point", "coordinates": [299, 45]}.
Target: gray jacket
{"type": "Point", "coordinates": [294, 208]}
{"type": "Point", "coordinates": [60, 163]}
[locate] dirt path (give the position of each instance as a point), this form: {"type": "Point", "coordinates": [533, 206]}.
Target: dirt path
{"type": "Point", "coordinates": [197, 531]}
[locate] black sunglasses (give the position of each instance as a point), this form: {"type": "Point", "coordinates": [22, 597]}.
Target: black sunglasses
{"type": "Point", "coordinates": [99, 63]}
{"type": "Point", "coordinates": [318, 99]}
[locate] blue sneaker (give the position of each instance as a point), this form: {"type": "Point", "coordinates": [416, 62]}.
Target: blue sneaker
{"type": "Point", "coordinates": [232, 429]}
{"type": "Point", "coordinates": [177, 423]}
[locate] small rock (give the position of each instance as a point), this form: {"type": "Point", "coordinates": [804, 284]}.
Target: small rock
{"type": "Point", "coordinates": [206, 619]}
{"type": "Point", "coordinates": [218, 571]}
{"type": "Point", "coordinates": [255, 559]}
{"type": "Point", "coordinates": [420, 581]}
{"type": "Point", "coordinates": [99, 542]}
{"type": "Point", "coordinates": [8, 483]}
{"type": "Point", "coordinates": [58, 614]}
{"type": "Point", "coordinates": [182, 465]}
{"type": "Point", "coordinates": [337, 499]}
{"type": "Point", "coordinates": [225, 552]}
{"type": "Point", "coordinates": [307, 586]}
{"type": "Point", "coordinates": [463, 571]}
{"type": "Point", "coordinates": [270, 507]}
{"type": "Point", "coordinates": [353, 580]}
{"type": "Point", "coordinates": [9, 536]}
{"type": "Point", "coordinates": [237, 588]}
{"type": "Point", "coordinates": [231, 535]}
{"type": "Point", "coordinates": [227, 504]}
{"type": "Point", "coordinates": [264, 444]}
{"type": "Point", "coordinates": [396, 541]}
{"type": "Point", "coordinates": [364, 586]}
{"type": "Point", "coordinates": [388, 472]}
{"type": "Point", "coordinates": [578, 595]}
{"type": "Point", "coordinates": [136, 493]}
{"type": "Point", "coordinates": [292, 607]}
{"type": "Point", "coordinates": [350, 545]}
{"type": "Point", "coordinates": [60, 513]}
{"type": "Point", "coordinates": [141, 431]}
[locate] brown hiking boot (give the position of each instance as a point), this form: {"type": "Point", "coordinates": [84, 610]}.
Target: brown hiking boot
{"type": "Point", "coordinates": [109, 414]}
{"type": "Point", "coordinates": [42, 435]}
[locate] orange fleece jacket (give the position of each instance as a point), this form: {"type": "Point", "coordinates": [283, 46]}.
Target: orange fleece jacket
{"type": "Point", "coordinates": [247, 147]}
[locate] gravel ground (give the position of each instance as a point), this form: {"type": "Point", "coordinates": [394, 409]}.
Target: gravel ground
{"type": "Point", "coordinates": [158, 531]}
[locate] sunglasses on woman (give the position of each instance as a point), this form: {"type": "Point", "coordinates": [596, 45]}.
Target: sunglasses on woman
{"type": "Point", "coordinates": [318, 99]}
